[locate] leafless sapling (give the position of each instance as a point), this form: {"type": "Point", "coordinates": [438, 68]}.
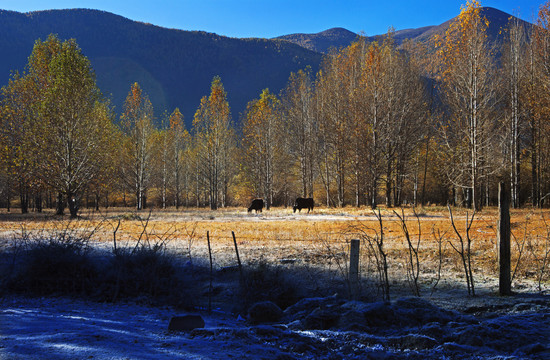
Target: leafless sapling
{"type": "Point", "coordinates": [464, 250]}
{"type": "Point", "coordinates": [413, 263]}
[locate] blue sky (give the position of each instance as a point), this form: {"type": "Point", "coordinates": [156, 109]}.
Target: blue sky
{"type": "Point", "coordinates": [260, 18]}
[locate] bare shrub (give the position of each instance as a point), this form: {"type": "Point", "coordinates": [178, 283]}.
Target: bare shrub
{"type": "Point", "coordinates": [335, 253]}
{"type": "Point", "coordinates": [544, 258]}
{"type": "Point", "coordinates": [520, 247]}
{"type": "Point", "coordinates": [413, 263]}
{"type": "Point", "coordinates": [376, 251]}
{"type": "Point", "coordinates": [62, 261]}
{"type": "Point", "coordinates": [58, 265]}
{"type": "Point", "coordinates": [191, 234]}
{"type": "Point", "coordinates": [439, 240]}
{"type": "Point", "coordinates": [464, 249]}
{"type": "Point", "coordinates": [57, 261]}
{"type": "Point", "coordinates": [265, 282]}
{"type": "Point", "coordinates": [146, 272]}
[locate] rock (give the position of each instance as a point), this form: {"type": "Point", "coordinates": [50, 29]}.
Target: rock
{"type": "Point", "coordinates": [417, 311]}
{"type": "Point", "coordinates": [472, 336]}
{"type": "Point", "coordinates": [285, 357]}
{"type": "Point", "coordinates": [321, 319]}
{"type": "Point", "coordinates": [185, 323]}
{"type": "Point", "coordinates": [268, 331]}
{"type": "Point", "coordinates": [264, 312]}
{"type": "Point", "coordinates": [527, 307]}
{"type": "Point", "coordinates": [380, 314]}
{"type": "Point", "coordinates": [434, 330]}
{"type": "Point", "coordinates": [351, 320]}
{"type": "Point", "coordinates": [461, 349]}
{"type": "Point", "coordinates": [533, 349]}
{"type": "Point", "coordinates": [355, 305]}
{"type": "Point", "coordinates": [295, 325]}
{"type": "Point", "coordinates": [307, 305]}
{"type": "Point", "coordinates": [413, 303]}
{"type": "Point", "coordinates": [413, 342]}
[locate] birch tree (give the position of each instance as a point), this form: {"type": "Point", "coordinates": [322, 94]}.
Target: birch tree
{"type": "Point", "coordinates": [215, 139]}
{"type": "Point", "coordinates": [160, 162]}
{"type": "Point", "coordinates": [178, 141]}
{"type": "Point", "coordinates": [334, 123]}
{"type": "Point", "coordinates": [468, 83]}
{"type": "Point", "coordinates": [261, 140]}
{"type": "Point", "coordinates": [19, 98]}
{"type": "Point", "coordinates": [297, 99]}
{"type": "Point", "coordinates": [403, 122]}
{"type": "Point", "coordinates": [537, 104]}
{"type": "Point", "coordinates": [137, 126]}
{"type": "Point", "coordinates": [513, 63]}
{"type": "Point", "coordinates": [324, 133]}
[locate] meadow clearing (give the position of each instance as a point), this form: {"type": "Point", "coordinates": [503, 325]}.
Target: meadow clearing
{"type": "Point", "coordinates": [318, 241]}
{"type": "Point", "coordinates": [117, 277]}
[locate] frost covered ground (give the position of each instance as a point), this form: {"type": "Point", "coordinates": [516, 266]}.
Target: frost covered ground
{"type": "Point", "coordinates": [486, 327]}
{"type": "Point", "coordinates": [445, 325]}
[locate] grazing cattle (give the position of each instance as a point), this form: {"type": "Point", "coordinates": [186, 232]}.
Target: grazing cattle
{"type": "Point", "coordinates": [257, 204]}
{"type": "Point", "coordinates": [302, 203]}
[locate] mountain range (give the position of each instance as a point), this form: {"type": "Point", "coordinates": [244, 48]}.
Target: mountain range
{"type": "Point", "coordinates": [176, 67]}
{"type": "Point", "coordinates": [338, 37]}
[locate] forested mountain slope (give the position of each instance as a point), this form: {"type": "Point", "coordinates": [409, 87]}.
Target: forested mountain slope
{"type": "Point", "coordinates": [174, 67]}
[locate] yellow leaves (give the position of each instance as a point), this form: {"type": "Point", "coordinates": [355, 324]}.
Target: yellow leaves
{"type": "Point", "coordinates": [544, 16]}
{"type": "Point", "coordinates": [136, 92]}
{"type": "Point", "coordinates": [176, 119]}
{"type": "Point", "coordinates": [465, 36]}
{"type": "Point", "coordinates": [260, 118]}
{"type": "Point", "coordinates": [212, 122]}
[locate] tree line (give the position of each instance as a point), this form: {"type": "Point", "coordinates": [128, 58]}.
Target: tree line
{"type": "Point", "coordinates": [438, 122]}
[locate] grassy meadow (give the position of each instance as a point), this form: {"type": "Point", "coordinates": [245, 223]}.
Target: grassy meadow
{"type": "Point", "coordinates": [318, 241]}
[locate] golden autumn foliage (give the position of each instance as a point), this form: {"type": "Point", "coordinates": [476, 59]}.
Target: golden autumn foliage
{"type": "Point", "coordinates": [468, 74]}
{"type": "Point", "coordinates": [381, 122]}
{"type": "Point", "coordinates": [262, 141]}
{"type": "Point", "coordinates": [64, 126]}
{"type": "Point", "coordinates": [215, 143]}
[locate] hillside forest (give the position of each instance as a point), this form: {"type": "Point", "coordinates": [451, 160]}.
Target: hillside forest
{"type": "Point", "coordinates": [380, 123]}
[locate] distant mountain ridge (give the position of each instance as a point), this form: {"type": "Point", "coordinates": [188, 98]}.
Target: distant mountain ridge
{"type": "Point", "coordinates": [176, 67]}
{"type": "Point", "coordinates": [338, 37]}
{"type": "Point", "coordinates": [323, 41]}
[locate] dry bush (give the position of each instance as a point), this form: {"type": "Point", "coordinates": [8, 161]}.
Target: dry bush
{"type": "Point", "coordinates": [268, 282]}
{"type": "Point", "coordinates": [151, 274]}
{"type": "Point", "coordinates": [66, 263]}
{"type": "Point", "coordinates": [59, 264]}
{"type": "Point", "coordinates": [413, 263]}
{"type": "Point", "coordinates": [373, 238]}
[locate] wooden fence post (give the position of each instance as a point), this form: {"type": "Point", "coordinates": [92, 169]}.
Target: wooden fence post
{"type": "Point", "coordinates": [238, 258]}
{"type": "Point", "coordinates": [505, 286]}
{"type": "Point", "coordinates": [354, 268]}
{"type": "Point", "coordinates": [210, 288]}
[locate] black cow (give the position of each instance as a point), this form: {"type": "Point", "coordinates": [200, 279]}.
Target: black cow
{"type": "Point", "coordinates": [302, 203]}
{"type": "Point", "coordinates": [257, 204]}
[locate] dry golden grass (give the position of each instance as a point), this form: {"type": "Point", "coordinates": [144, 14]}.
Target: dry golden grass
{"type": "Point", "coordinates": [320, 238]}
